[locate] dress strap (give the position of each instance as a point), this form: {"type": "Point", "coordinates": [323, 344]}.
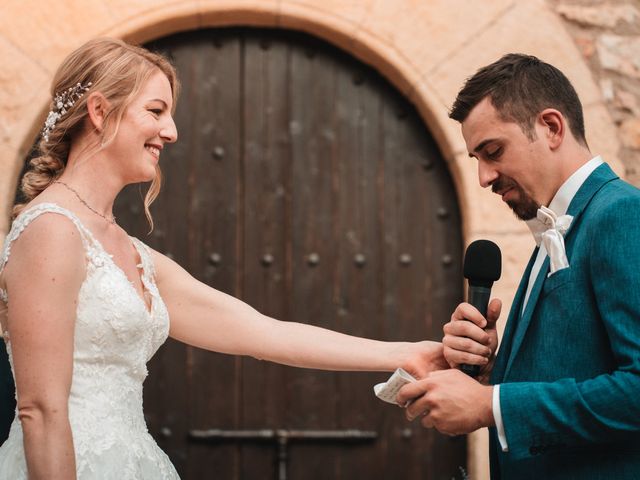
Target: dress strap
{"type": "Point", "coordinates": [26, 217]}
{"type": "Point", "coordinates": [146, 262]}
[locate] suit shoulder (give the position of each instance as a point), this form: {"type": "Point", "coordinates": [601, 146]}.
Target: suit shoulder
{"type": "Point", "coordinates": [616, 200]}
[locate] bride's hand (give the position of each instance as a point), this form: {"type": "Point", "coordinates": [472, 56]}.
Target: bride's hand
{"type": "Point", "coordinates": [424, 357]}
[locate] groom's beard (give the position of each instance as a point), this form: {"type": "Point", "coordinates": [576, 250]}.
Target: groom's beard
{"type": "Point", "coordinates": [524, 207]}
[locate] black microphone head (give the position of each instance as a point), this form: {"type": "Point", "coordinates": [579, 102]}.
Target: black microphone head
{"type": "Point", "coordinates": [482, 263]}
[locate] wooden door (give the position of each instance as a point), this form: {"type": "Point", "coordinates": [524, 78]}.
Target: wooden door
{"type": "Point", "coordinates": [304, 184]}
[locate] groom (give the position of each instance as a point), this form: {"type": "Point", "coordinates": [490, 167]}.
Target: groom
{"type": "Point", "coordinates": [563, 399]}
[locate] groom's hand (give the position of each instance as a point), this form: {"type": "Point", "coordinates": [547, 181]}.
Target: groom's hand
{"type": "Point", "coordinates": [450, 401]}
{"type": "Point", "coordinates": [471, 339]}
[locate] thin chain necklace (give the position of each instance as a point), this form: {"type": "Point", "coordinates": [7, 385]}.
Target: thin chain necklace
{"type": "Point", "coordinates": [111, 220]}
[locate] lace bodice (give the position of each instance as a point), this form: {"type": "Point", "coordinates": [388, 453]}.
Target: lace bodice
{"type": "Point", "coordinates": [115, 336]}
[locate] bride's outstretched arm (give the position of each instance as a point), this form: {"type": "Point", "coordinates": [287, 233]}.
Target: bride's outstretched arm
{"type": "Point", "coordinates": [207, 318]}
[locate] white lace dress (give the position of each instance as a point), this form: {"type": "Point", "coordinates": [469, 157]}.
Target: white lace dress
{"type": "Point", "coordinates": [115, 336]}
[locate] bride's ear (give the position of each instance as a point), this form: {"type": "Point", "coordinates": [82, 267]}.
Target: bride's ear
{"type": "Point", "coordinates": [97, 107]}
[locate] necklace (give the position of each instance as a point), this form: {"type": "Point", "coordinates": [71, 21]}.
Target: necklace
{"type": "Point", "coordinates": [111, 220]}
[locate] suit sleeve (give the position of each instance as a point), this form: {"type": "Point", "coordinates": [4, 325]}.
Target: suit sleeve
{"type": "Point", "coordinates": [541, 417]}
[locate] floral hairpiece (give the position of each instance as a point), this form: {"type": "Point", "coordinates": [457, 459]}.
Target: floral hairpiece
{"type": "Point", "coordinates": [62, 102]}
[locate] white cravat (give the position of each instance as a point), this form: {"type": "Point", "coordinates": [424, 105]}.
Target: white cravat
{"type": "Point", "coordinates": [553, 238]}
{"type": "Point", "coordinates": [548, 229]}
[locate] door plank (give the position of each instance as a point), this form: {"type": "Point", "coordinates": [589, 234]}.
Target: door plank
{"type": "Point", "coordinates": [266, 226]}
{"type": "Point", "coordinates": [215, 389]}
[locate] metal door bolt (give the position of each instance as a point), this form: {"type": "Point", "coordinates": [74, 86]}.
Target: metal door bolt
{"type": "Point", "coordinates": [443, 212]}
{"type": "Point", "coordinates": [313, 259]}
{"type": "Point", "coordinates": [405, 259]}
{"type": "Point", "coordinates": [218, 153]}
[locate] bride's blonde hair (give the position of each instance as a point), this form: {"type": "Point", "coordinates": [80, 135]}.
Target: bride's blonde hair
{"type": "Point", "coordinates": [116, 69]}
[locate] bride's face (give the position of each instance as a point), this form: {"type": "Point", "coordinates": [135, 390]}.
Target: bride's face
{"type": "Point", "coordinates": [146, 126]}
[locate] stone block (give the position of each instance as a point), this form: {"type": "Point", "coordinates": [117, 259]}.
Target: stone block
{"type": "Point", "coordinates": [602, 135]}
{"type": "Point", "coordinates": [527, 27]}
{"type": "Point", "coordinates": [630, 133]}
{"type": "Point", "coordinates": [626, 101]}
{"type": "Point", "coordinates": [435, 110]}
{"type": "Point", "coordinates": [8, 180]}
{"type": "Point", "coordinates": [620, 54]}
{"type": "Point", "coordinates": [336, 28]}
{"type": "Point", "coordinates": [123, 10]}
{"type": "Point", "coordinates": [141, 21]}
{"type": "Point", "coordinates": [216, 13]}
{"type": "Point", "coordinates": [350, 11]}
{"type": "Point", "coordinates": [605, 15]}
{"type": "Point", "coordinates": [632, 162]}
{"type": "Point", "coordinates": [24, 94]}
{"type": "Point", "coordinates": [586, 44]}
{"type": "Point", "coordinates": [53, 30]}
{"type": "Point", "coordinates": [426, 33]}
{"type": "Point", "coordinates": [388, 60]}
{"type": "Point", "coordinates": [607, 89]}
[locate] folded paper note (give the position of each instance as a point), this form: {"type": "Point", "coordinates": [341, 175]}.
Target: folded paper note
{"type": "Point", "coordinates": [388, 390]}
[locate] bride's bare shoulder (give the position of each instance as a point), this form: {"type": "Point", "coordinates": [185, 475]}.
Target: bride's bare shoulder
{"type": "Point", "coordinates": [47, 243]}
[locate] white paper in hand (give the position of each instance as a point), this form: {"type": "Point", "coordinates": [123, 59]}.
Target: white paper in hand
{"type": "Point", "coordinates": [388, 390]}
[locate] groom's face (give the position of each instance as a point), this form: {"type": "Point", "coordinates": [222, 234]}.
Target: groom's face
{"type": "Point", "coordinates": [508, 160]}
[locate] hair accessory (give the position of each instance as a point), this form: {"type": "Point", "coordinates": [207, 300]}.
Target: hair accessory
{"type": "Point", "coordinates": [62, 102]}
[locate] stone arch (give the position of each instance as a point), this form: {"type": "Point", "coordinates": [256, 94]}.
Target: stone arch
{"type": "Point", "coordinates": [426, 49]}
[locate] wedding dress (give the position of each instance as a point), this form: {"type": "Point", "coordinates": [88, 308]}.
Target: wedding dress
{"type": "Point", "coordinates": [116, 334]}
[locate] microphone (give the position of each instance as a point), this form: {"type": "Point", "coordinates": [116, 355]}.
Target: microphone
{"type": "Point", "coordinates": [482, 267]}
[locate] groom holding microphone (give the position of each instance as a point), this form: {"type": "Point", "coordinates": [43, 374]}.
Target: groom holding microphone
{"type": "Point", "coordinates": [562, 396]}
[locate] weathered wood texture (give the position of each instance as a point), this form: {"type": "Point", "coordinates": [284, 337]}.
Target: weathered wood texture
{"type": "Point", "coordinates": [306, 185]}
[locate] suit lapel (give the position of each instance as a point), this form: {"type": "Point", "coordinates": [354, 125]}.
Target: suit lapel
{"type": "Point", "coordinates": [598, 178]}
{"type": "Point", "coordinates": [511, 325]}
{"type": "Point", "coordinates": [524, 321]}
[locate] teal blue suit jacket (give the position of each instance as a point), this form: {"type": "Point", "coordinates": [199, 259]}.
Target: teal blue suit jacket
{"type": "Point", "coordinates": [569, 365]}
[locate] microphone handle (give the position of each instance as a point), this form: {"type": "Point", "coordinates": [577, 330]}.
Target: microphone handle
{"type": "Point", "coordinates": [479, 298]}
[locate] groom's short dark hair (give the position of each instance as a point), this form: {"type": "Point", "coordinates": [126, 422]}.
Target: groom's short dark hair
{"type": "Point", "coordinates": [519, 87]}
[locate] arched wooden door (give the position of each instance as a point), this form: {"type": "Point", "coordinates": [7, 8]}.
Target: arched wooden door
{"type": "Point", "coordinates": [306, 185]}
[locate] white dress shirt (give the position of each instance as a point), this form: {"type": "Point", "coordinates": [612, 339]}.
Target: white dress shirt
{"type": "Point", "coordinates": [559, 205]}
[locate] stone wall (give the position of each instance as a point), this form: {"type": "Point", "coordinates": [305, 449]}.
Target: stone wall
{"type": "Point", "coordinates": [607, 33]}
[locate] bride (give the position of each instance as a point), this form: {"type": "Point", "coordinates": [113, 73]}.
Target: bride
{"type": "Point", "coordinates": [83, 306]}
